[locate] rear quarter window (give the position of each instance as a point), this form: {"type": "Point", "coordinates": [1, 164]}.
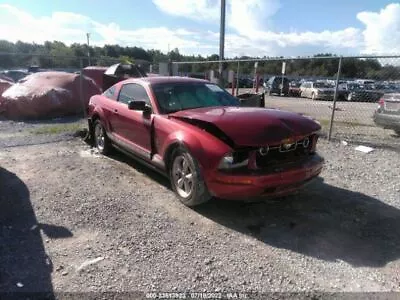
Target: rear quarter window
{"type": "Point", "coordinates": [110, 93]}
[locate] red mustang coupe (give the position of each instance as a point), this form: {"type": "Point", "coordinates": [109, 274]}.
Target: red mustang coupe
{"type": "Point", "coordinates": [198, 135]}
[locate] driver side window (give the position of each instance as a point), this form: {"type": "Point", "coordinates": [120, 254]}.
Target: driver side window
{"type": "Point", "coordinates": [131, 92]}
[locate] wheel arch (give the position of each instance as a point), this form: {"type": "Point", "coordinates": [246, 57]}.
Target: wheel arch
{"type": "Point", "coordinates": [189, 143]}
{"type": "Point", "coordinates": [170, 150]}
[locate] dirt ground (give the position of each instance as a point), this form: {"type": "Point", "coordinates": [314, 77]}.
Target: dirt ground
{"type": "Point", "coordinates": [74, 221]}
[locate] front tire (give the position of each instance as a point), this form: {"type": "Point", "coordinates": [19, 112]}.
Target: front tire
{"type": "Point", "coordinates": [186, 179]}
{"type": "Point", "coordinates": [397, 132]}
{"type": "Point", "coordinates": [101, 140]}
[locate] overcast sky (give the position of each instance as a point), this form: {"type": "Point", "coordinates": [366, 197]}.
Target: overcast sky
{"type": "Point", "coordinates": [254, 27]}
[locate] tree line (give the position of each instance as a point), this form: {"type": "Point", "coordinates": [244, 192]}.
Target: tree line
{"type": "Point", "coordinates": [59, 55]}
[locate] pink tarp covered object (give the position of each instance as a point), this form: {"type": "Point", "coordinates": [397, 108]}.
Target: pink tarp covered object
{"type": "Point", "coordinates": [4, 85]}
{"type": "Point", "coordinates": [47, 95]}
{"type": "Point", "coordinates": [95, 73]}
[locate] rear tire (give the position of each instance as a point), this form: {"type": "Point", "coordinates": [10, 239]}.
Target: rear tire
{"type": "Point", "coordinates": [349, 97]}
{"type": "Point", "coordinates": [186, 179]}
{"type": "Point", "coordinates": [101, 140]}
{"type": "Point", "coordinates": [397, 132]}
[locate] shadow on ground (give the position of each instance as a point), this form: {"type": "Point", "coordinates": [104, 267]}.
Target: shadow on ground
{"type": "Point", "coordinates": [25, 269]}
{"type": "Point", "coordinates": [140, 167]}
{"type": "Point", "coordinates": [325, 222]}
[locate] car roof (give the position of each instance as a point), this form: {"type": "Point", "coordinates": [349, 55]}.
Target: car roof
{"type": "Point", "coordinates": [166, 79]}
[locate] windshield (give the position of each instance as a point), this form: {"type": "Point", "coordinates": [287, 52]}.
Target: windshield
{"type": "Point", "coordinates": [172, 97]}
{"type": "Point", "coordinates": [321, 85]}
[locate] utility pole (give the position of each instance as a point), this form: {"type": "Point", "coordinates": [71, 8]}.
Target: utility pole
{"type": "Point", "coordinates": [88, 46]}
{"type": "Point", "coordinates": [221, 41]}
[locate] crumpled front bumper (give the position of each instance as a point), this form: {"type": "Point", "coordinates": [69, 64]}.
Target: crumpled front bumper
{"type": "Point", "coordinates": [282, 180]}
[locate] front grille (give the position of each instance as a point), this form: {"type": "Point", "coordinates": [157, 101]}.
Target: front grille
{"type": "Point", "coordinates": [279, 154]}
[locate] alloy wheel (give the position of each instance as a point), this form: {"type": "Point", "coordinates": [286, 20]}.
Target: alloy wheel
{"type": "Point", "coordinates": [182, 174]}
{"type": "Point", "coordinates": [99, 136]}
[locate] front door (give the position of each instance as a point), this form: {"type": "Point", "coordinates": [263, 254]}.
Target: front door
{"type": "Point", "coordinates": [134, 127]}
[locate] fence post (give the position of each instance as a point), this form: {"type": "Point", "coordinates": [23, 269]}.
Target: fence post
{"type": "Point", "coordinates": [170, 72]}
{"type": "Point", "coordinates": [237, 78]}
{"type": "Point", "coordinates": [257, 79]}
{"type": "Point", "coordinates": [81, 95]}
{"type": "Point", "coordinates": [335, 96]}
{"type": "Point", "coordinates": [283, 75]}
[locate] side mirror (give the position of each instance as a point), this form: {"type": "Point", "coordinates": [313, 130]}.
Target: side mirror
{"type": "Point", "coordinates": [139, 105]}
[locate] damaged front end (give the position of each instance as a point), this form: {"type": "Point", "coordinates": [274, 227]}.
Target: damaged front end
{"type": "Point", "coordinates": [210, 128]}
{"type": "Point", "coordinates": [265, 157]}
{"type": "Point", "coordinates": [269, 157]}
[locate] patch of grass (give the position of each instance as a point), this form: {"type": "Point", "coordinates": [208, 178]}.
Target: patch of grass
{"type": "Point", "coordinates": [326, 122]}
{"type": "Point", "coordinates": [57, 129]}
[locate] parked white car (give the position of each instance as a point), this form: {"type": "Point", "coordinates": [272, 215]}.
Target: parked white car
{"type": "Point", "coordinates": [317, 90]}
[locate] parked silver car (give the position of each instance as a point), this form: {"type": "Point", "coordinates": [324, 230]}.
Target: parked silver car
{"type": "Point", "coordinates": [387, 114]}
{"type": "Point", "coordinates": [317, 90]}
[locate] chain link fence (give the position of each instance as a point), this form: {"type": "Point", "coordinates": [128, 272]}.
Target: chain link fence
{"type": "Point", "coordinates": [342, 93]}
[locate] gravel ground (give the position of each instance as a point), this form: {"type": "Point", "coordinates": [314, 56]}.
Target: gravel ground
{"type": "Point", "coordinates": [74, 221]}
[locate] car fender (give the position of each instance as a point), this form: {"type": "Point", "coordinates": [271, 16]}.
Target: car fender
{"type": "Point", "coordinates": [208, 151]}
{"type": "Point", "coordinates": [190, 142]}
{"type": "Point", "coordinates": [98, 113]}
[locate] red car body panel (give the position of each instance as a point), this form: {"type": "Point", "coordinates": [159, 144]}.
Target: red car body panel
{"type": "Point", "coordinates": [152, 137]}
{"type": "Point", "coordinates": [253, 126]}
{"type": "Point", "coordinates": [287, 181]}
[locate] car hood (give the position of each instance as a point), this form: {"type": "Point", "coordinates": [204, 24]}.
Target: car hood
{"type": "Point", "coordinates": [251, 126]}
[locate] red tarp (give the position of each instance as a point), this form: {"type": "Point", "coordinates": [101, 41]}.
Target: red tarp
{"type": "Point", "coordinates": [47, 95]}
{"type": "Point", "coordinates": [5, 78]}
{"type": "Point", "coordinates": [95, 73]}
{"type": "Point", "coordinates": [4, 85]}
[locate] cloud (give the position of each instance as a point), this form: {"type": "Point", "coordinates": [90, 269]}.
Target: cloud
{"type": "Point", "coordinates": [248, 20]}
{"type": "Point", "coordinates": [269, 43]}
{"type": "Point", "coordinates": [192, 9]}
{"type": "Point", "coordinates": [382, 30]}
{"type": "Point", "coordinates": [242, 15]}
{"type": "Point", "coordinates": [249, 16]}
{"type": "Point", "coordinates": [72, 28]}
{"type": "Point", "coordinates": [20, 25]}
{"type": "Point", "coordinates": [251, 23]}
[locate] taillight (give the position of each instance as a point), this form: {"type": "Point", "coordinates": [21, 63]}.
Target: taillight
{"type": "Point", "coordinates": [381, 102]}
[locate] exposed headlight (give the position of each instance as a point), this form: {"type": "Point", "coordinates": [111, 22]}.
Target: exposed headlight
{"type": "Point", "coordinates": [306, 142]}
{"type": "Point", "coordinates": [233, 161]}
{"type": "Point", "coordinates": [263, 150]}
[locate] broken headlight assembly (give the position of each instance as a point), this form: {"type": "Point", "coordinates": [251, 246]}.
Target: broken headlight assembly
{"type": "Point", "coordinates": [234, 160]}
